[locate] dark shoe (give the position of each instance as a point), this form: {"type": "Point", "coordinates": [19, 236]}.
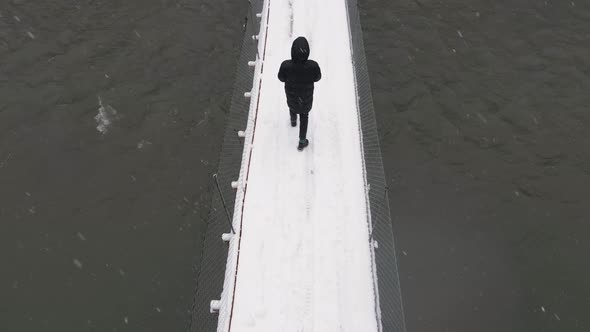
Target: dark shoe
{"type": "Point", "coordinates": [302, 144]}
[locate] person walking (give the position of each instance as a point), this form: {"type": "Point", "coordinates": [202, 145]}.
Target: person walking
{"type": "Point", "coordinates": [299, 75]}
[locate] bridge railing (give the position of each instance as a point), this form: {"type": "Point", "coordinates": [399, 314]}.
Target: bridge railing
{"type": "Point", "coordinates": [388, 283]}
{"type": "Point", "coordinates": [211, 271]}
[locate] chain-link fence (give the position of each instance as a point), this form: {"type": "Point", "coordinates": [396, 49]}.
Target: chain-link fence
{"type": "Point", "coordinates": [389, 299]}
{"type": "Point", "coordinates": [211, 275]}
{"type": "Point", "coordinates": [214, 255]}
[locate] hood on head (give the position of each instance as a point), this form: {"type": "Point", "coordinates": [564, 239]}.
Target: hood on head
{"type": "Point", "coordinates": [300, 49]}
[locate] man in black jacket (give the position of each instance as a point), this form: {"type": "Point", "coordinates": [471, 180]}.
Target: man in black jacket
{"type": "Point", "coordinates": [299, 75]}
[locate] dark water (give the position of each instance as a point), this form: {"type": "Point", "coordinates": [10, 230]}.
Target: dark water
{"type": "Point", "coordinates": [484, 111]}
{"type": "Point", "coordinates": [101, 231]}
{"type": "Point", "coordinates": [485, 150]}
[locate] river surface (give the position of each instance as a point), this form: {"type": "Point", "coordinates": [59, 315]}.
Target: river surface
{"type": "Point", "coordinates": [111, 119]}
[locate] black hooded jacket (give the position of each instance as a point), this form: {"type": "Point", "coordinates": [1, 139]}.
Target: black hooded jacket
{"type": "Point", "coordinates": [299, 75]}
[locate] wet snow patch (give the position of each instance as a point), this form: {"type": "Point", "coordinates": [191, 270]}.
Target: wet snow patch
{"type": "Point", "coordinates": [143, 144]}
{"type": "Point", "coordinates": [77, 263]}
{"type": "Point", "coordinates": [81, 236]}
{"type": "Point", "coordinates": [105, 117]}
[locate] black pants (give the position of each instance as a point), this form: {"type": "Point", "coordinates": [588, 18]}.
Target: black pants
{"type": "Point", "coordinates": [303, 119]}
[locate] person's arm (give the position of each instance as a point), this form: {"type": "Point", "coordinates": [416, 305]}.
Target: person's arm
{"type": "Point", "coordinates": [318, 75]}
{"type": "Point", "coordinates": [283, 73]}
